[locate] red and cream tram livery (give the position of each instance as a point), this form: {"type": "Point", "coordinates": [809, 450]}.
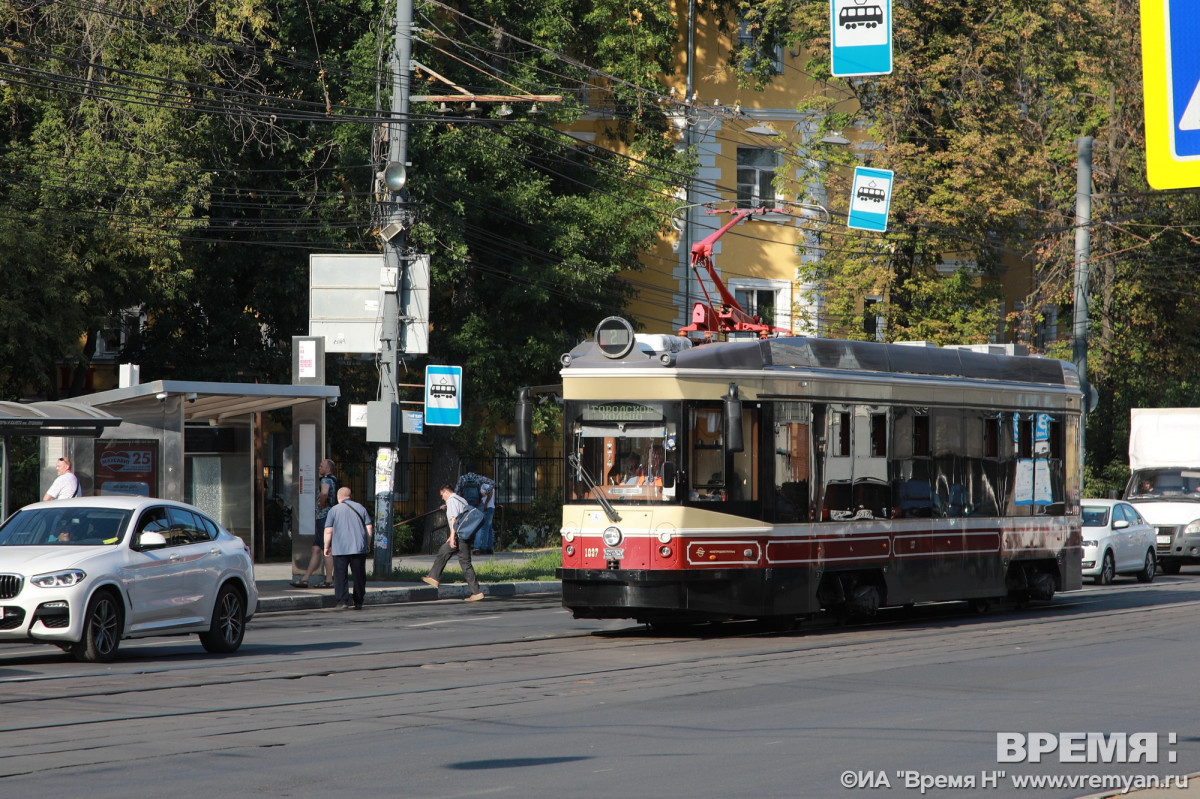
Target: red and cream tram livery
{"type": "Point", "coordinates": [779, 477]}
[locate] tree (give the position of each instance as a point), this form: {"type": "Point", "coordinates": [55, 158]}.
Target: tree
{"type": "Point", "coordinates": [108, 116]}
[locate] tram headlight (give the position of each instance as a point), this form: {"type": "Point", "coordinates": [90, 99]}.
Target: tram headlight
{"type": "Point", "coordinates": [664, 536]}
{"type": "Point", "coordinates": [664, 552]}
{"type": "Point", "coordinates": [612, 536]}
{"type": "Point", "coordinates": [570, 549]}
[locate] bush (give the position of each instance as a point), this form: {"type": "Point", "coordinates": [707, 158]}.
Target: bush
{"type": "Point", "coordinates": [403, 540]}
{"type": "Point", "coordinates": [536, 525]}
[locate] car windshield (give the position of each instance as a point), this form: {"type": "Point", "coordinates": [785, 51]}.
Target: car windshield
{"type": "Point", "coordinates": [66, 526]}
{"type": "Point", "coordinates": [1172, 484]}
{"type": "Point", "coordinates": [1095, 516]}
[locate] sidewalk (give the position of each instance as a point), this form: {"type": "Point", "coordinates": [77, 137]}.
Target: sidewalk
{"type": "Point", "coordinates": [275, 594]}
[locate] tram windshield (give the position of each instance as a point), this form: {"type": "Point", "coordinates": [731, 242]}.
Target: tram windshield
{"type": "Point", "coordinates": [627, 450]}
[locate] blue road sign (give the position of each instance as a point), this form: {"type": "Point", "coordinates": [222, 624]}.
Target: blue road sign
{"type": "Point", "coordinates": [443, 395]}
{"type": "Point", "coordinates": [1171, 86]}
{"type": "Point", "coordinates": [870, 198]}
{"type": "Point", "coordinates": [860, 37]}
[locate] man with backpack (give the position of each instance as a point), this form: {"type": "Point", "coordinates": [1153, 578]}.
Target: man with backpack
{"type": "Point", "coordinates": [479, 492]}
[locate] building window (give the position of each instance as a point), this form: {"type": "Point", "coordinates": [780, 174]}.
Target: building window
{"type": "Point", "coordinates": [754, 51]}
{"type": "Point", "coordinates": [755, 175]}
{"type": "Point", "coordinates": [873, 322]}
{"type": "Point", "coordinates": [757, 302]}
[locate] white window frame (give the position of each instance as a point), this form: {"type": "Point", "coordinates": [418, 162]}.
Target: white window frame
{"type": "Point", "coordinates": [750, 195]}
{"type": "Point", "coordinates": [783, 296]}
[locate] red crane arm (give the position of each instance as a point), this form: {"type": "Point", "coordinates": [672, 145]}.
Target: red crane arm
{"type": "Point", "coordinates": [731, 317]}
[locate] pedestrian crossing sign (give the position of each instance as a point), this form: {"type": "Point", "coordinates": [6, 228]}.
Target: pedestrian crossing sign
{"type": "Point", "coordinates": [1171, 87]}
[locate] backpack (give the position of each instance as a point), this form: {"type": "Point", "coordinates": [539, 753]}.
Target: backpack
{"type": "Point", "coordinates": [471, 490]}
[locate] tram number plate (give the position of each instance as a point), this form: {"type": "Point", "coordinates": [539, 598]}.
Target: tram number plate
{"type": "Point", "coordinates": [1164, 539]}
{"type": "Point", "coordinates": [613, 554]}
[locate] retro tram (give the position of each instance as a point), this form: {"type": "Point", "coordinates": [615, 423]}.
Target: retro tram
{"type": "Point", "coordinates": [776, 478]}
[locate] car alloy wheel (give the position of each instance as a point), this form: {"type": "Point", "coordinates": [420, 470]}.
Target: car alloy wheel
{"type": "Point", "coordinates": [1146, 575]}
{"type": "Point", "coordinates": [228, 625]}
{"type": "Point", "coordinates": [1108, 570]}
{"type": "Point", "coordinates": [101, 630]}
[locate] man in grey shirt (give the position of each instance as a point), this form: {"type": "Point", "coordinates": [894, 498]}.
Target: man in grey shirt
{"type": "Point", "coordinates": [348, 531]}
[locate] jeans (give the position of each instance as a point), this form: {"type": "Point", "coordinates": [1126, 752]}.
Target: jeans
{"type": "Point", "coordinates": [485, 537]}
{"type": "Point", "coordinates": [464, 560]}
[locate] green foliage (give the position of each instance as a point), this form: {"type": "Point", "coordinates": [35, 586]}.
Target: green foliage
{"type": "Point", "coordinates": [1107, 482]}
{"type": "Point", "coordinates": [537, 567]}
{"type": "Point", "coordinates": [404, 539]}
{"type": "Point", "coordinates": [536, 525]}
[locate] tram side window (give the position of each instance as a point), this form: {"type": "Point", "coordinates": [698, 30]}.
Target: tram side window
{"type": "Point", "coordinates": [792, 465]}
{"type": "Point", "coordinates": [835, 498]}
{"type": "Point", "coordinates": [871, 493]}
{"type": "Point", "coordinates": [912, 492]}
{"type": "Point", "coordinates": [708, 452]}
{"type": "Point", "coordinates": [1049, 471]}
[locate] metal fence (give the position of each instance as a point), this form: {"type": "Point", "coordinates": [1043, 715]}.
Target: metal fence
{"type": "Point", "coordinates": [519, 482]}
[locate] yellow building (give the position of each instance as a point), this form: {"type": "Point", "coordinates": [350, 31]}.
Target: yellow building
{"type": "Point", "coordinates": [753, 146]}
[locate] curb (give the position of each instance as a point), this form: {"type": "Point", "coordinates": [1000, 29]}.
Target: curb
{"type": "Point", "coordinates": [394, 596]}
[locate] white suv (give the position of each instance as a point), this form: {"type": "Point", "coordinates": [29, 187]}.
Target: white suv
{"type": "Point", "coordinates": [84, 573]}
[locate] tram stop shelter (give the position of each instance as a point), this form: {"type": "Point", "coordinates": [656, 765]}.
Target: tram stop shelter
{"type": "Point", "coordinates": [208, 444]}
{"type": "Point", "coordinates": [46, 419]}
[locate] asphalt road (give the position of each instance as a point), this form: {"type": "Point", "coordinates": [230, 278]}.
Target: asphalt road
{"type": "Point", "coordinates": [514, 698]}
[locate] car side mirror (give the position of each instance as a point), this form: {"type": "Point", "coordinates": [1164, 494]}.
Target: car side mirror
{"type": "Point", "coordinates": [1121, 524]}
{"type": "Point", "coordinates": [151, 540]}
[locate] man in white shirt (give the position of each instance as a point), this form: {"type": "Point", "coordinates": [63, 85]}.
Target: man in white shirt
{"type": "Point", "coordinates": [66, 485]}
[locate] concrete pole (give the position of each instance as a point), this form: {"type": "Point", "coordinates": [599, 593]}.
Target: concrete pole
{"type": "Point", "coordinates": [1083, 244]}
{"type": "Point", "coordinates": [389, 357]}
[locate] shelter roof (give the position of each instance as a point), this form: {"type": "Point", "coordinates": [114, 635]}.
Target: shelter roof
{"type": "Point", "coordinates": [206, 401]}
{"type": "Point", "coordinates": [54, 419]}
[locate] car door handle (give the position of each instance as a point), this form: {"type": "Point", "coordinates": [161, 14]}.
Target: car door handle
{"type": "Point", "coordinates": [215, 551]}
{"type": "Point", "coordinates": [174, 556]}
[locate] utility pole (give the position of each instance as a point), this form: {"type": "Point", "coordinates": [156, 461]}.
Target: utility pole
{"type": "Point", "coordinates": [1083, 244]}
{"type": "Point", "coordinates": [395, 178]}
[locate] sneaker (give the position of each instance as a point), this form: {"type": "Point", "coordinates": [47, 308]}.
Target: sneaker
{"type": "Point", "coordinates": [474, 597]}
{"type": "Point", "coordinates": [429, 580]}
{"type": "Point", "coordinates": [341, 606]}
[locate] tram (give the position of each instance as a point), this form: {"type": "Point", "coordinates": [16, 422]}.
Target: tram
{"type": "Point", "coordinates": [780, 477]}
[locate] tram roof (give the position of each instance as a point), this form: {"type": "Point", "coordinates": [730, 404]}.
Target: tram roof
{"type": "Point", "coordinates": [795, 353]}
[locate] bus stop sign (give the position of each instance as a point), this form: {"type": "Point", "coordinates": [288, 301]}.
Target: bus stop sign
{"type": "Point", "coordinates": [1171, 88]}
{"type": "Point", "coordinates": [443, 395]}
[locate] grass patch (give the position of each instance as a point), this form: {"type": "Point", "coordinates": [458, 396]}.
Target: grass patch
{"type": "Point", "coordinates": [539, 565]}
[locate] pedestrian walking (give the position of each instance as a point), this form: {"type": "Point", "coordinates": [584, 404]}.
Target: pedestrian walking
{"type": "Point", "coordinates": [66, 485]}
{"type": "Point", "coordinates": [327, 497]}
{"type": "Point", "coordinates": [464, 522]}
{"type": "Point", "coordinates": [348, 532]}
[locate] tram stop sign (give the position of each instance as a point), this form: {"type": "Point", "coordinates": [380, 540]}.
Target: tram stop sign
{"type": "Point", "coordinates": [1171, 88]}
{"type": "Point", "coordinates": [443, 395]}
{"type": "Point", "coordinates": [860, 37]}
{"type": "Point", "coordinates": [870, 198]}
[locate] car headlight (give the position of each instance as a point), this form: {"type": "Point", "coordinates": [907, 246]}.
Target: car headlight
{"type": "Point", "coordinates": [1087, 543]}
{"type": "Point", "coordinates": [1193, 528]}
{"type": "Point", "coordinates": [58, 579]}
{"type": "Point", "coordinates": [612, 536]}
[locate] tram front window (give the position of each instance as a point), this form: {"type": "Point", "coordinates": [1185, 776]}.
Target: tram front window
{"type": "Point", "coordinates": [627, 451]}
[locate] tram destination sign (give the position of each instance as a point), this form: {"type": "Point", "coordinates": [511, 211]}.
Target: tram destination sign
{"type": "Point", "coordinates": [621, 412]}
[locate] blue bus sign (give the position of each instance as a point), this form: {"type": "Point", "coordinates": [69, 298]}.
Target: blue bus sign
{"type": "Point", "coordinates": [860, 40]}
{"type": "Point", "coordinates": [1171, 87]}
{"type": "Point", "coordinates": [443, 395]}
{"type": "Point", "coordinates": [870, 198]}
